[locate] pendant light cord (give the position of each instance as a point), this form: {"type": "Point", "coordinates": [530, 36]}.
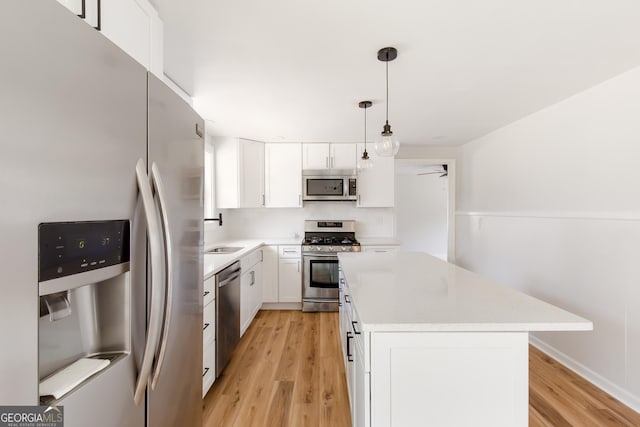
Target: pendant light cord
{"type": "Point", "coordinates": [387, 67]}
{"type": "Point", "coordinates": [365, 129]}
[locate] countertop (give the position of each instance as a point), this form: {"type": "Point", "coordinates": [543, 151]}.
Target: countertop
{"type": "Point", "coordinates": [411, 291]}
{"type": "Point", "coordinates": [213, 263]}
{"type": "Point", "coordinates": [379, 241]}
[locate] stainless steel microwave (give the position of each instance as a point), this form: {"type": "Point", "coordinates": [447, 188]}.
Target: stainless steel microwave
{"type": "Point", "coordinates": [329, 185]}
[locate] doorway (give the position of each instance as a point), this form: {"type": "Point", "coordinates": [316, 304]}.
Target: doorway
{"type": "Point", "coordinates": [425, 206]}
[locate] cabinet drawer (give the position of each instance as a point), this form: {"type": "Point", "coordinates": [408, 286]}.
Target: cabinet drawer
{"type": "Point", "coordinates": [208, 365]}
{"type": "Point", "coordinates": [209, 290]}
{"type": "Point", "coordinates": [289, 251]}
{"type": "Point", "coordinates": [250, 260]}
{"type": "Point", "coordinates": [208, 322]}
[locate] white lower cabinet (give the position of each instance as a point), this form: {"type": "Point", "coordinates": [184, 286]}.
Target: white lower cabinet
{"type": "Point", "coordinates": [208, 336]}
{"type": "Point", "coordinates": [424, 378]}
{"type": "Point", "coordinates": [270, 274]}
{"type": "Point", "coordinates": [250, 288]}
{"type": "Point", "coordinates": [290, 280]}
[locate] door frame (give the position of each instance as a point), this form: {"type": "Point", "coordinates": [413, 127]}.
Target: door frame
{"type": "Point", "coordinates": [451, 196]}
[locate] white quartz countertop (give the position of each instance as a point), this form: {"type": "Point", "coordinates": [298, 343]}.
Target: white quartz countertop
{"type": "Point", "coordinates": [214, 263]}
{"type": "Point", "coordinates": [411, 291]}
{"type": "Point", "coordinates": [379, 241]}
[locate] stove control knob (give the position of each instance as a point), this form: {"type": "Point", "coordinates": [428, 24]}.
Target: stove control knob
{"type": "Point", "coordinates": [330, 249]}
{"type": "Point", "coordinates": [345, 249]}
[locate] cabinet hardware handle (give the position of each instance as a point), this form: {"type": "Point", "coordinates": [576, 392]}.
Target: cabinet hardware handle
{"type": "Point", "coordinates": [263, 200]}
{"type": "Point", "coordinates": [349, 355]}
{"type": "Point", "coordinates": [83, 9]}
{"type": "Point", "coordinates": [206, 293]}
{"type": "Point", "coordinates": [353, 325]}
{"type": "Point", "coordinates": [298, 266]}
{"type": "Point", "coordinates": [205, 371]}
{"type": "Point", "coordinates": [253, 278]}
{"type": "Point", "coordinates": [99, 27]}
{"type": "Point", "coordinates": [206, 325]}
{"type": "Point", "coordinates": [346, 299]}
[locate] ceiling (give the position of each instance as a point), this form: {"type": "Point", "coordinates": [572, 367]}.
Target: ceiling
{"type": "Point", "coordinates": [283, 70]}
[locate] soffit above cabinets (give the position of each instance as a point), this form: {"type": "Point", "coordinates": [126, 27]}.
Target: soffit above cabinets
{"type": "Point", "coordinates": [295, 71]}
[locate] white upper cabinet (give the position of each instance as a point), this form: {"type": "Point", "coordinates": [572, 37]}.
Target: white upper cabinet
{"type": "Point", "coordinates": [252, 174]}
{"type": "Point", "coordinates": [376, 186]}
{"type": "Point", "coordinates": [283, 175]}
{"type": "Point", "coordinates": [239, 173]}
{"type": "Point", "coordinates": [315, 156]}
{"type": "Point", "coordinates": [328, 156]}
{"type": "Point", "coordinates": [133, 25]}
{"type": "Point", "coordinates": [343, 156]}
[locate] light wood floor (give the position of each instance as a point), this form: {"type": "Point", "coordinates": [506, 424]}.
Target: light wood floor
{"type": "Point", "coordinates": [288, 371]}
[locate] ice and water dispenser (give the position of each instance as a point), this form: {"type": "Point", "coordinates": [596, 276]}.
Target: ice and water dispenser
{"type": "Point", "coordinates": [85, 298]}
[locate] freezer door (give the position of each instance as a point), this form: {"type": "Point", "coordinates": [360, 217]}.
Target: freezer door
{"type": "Point", "coordinates": [176, 158]}
{"type": "Point", "coordinates": [73, 120]}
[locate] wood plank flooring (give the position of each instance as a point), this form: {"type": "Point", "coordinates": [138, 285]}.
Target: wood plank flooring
{"type": "Point", "coordinates": [288, 371]}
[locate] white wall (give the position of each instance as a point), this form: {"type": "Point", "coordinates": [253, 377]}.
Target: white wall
{"type": "Point", "coordinates": [421, 212]}
{"type": "Point", "coordinates": [550, 205]}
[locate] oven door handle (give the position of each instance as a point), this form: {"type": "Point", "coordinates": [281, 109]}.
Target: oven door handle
{"type": "Point", "coordinates": [320, 255]}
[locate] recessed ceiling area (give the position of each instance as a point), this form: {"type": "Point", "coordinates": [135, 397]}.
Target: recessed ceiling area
{"type": "Point", "coordinates": [296, 70]}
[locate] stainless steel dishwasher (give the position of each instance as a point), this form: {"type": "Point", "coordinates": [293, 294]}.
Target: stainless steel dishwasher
{"type": "Point", "coordinates": [227, 314]}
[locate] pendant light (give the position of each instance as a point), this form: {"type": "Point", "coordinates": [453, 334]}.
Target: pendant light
{"type": "Point", "coordinates": [365, 161]}
{"type": "Point", "coordinates": [388, 144]}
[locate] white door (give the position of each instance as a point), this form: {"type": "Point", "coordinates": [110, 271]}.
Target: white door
{"type": "Point", "coordinates": [315, 156]}
{"type": "Point", "coordinates": [290, 274]}
{"type": "Point", "coordinates": [283, 175]}
{"type": "Point", "coordinates": [343, 156]}
{"type": "Point", "coordinates": [252, 173]}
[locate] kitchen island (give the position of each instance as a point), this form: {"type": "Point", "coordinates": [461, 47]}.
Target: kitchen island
{"type": "Point", "coordinates": [428, 343]}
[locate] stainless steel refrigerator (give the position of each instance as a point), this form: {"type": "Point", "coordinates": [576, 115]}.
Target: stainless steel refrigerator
{"type": "Point", "coordinates": [91, 143]}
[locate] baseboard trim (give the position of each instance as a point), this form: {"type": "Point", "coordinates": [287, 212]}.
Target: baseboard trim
{"type": "Point", "coordinates": [598, 380]}
{"type": "Point", "coordinates": [281, 306]}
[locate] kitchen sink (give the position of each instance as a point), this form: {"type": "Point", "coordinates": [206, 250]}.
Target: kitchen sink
{"type": "Point", "coordinates": [224, 250]}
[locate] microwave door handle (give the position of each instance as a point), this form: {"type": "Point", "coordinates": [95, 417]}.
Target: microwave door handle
{"type": "Point", "coordinates": [155, 256]}
{"type": "Point", "coordinates": [159, 186]}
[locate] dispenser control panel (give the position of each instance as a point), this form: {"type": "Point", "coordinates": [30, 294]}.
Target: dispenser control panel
{"type": "Point", "coordinates": [67, 248]}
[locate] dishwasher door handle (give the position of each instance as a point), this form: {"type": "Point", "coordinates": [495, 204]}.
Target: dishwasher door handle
{"type": "Point", "coordinates": [226, 281]}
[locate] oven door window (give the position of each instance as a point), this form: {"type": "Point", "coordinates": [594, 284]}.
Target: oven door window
{"type": "Point", "coordinates": [323, 273]}
{"type": "Point", "coordinates": [325, 187]}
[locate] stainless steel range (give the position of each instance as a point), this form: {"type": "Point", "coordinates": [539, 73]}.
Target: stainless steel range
{"type": "Point", "coordinates": [322, 242]}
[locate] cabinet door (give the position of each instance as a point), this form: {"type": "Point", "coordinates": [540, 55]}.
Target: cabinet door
{"type": "Point", "coordinates": [252, 173]}
{"type": "Point", "coordinates": [315, 156]}
{"type": "Point", "coordinates": [376, 185]}
{"type": "Point", "coordinates": [290, 283]}
{"type": "Point", "coordinates": [256, 290]}
{"type": "Point", "coordinates": [270, 274]}
{"type": "Point", "coordinates": [245, 301]}
{"type": "Point", "coordinates": [226, 172]}
{"type": "Point", "coordinates": [283, 175]}
{"type": "Point", "coordinates": [361, 402]}
{"type": "Point", "coordinates": [343, 156]}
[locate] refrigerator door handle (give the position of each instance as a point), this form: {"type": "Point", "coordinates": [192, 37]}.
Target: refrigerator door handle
{"type": "Point", "coordinates": [159, 186]}
{"type": "Point", "coordinates": [155, 255]}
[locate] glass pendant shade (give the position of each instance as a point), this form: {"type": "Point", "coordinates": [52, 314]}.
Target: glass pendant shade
{"type": "Point", "coordinates": [365, 162]}
{"type": "Point", "coordinates": [388, 145]}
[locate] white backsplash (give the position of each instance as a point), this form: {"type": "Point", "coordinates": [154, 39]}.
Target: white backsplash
{"type": "Point", "coordinates": [278, 223]}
